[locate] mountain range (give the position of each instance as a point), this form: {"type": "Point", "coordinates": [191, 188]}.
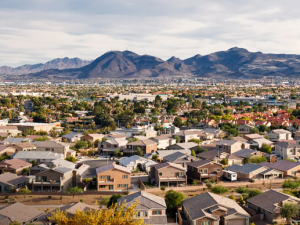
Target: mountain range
{"type": "Point", "coordinates": [60, 64]}
{"type": "Point", "coordinates": [233, 63]}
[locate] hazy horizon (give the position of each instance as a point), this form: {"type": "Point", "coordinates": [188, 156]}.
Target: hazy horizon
{"type": "Point", "coordinates": [36, 31]}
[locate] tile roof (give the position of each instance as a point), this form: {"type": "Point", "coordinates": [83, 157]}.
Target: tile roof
{"type": "Point", "coordinates": [198, 206]}
{"type": "Point", "coordinates": [12, 179]}
{"type": "Point", "coordinates": [271, 200]}
{"type": "Point", "coordinates": [282, 165]}
{"type": "Point", "coordinates": [20, 212]}
{"type": "Point", "coordinates": [15, 163]}
{"type": "Point", "coordinates": [245, 169]}
{"type": "Point", "coordinates": [112, 166]}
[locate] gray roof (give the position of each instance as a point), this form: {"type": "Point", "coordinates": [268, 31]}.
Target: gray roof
{"type": "Point", "coordinates": [15, 140]}
{"type": "Point", "coordinates": [200, 205]}
{"type": "Point", "coordinates": [244, 152]}
{"type": "Point", "coordinates": [187, 145]}
{"type": "Point", "coordinates": [72, 135]}
{"type": "Point", "coordinates": [226, 142]}
{"type": "Point", "coordinates": [271, 200]}
{"type": "Point", "coordinates": [127, 161]}
{"type": "Point", "coordinates": [110, 167]}
{"type": "Point", "coordinates": [50, 144]}
{"type": "Point", "coordinates": [282, 165]}
{"type": "Point", "coordinates": [166, 164]}
{"type": "Point", "coordinates": [245, 169]}
{"type": "Point", "coordinates": [211, 155]}
{"type": "Point", "coordinates": [62, 170]}
{"type": "Point", "coordinates": [174, 156]}
{"type": "Point", "coordinates": [20, 212]}
{"type": "Point", "coordinates": [200, 163]}
{"type": "Point", "coordinates": [12, 179]}
{"type": "Point", "coordinates": [37, 155]}
{"type": "Point", "coordinates": [146, 200]}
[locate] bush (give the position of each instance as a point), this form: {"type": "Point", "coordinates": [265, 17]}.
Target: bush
{"type": "Point", "coordinates": [292, 184]}
{"type": "Point", "coordinates": [126, 192]}
{"type": "Point", "coordinates": [208, 185]}
{"type": "Point", "coordinates": [251, 180]}
{"type": "Point", "coordinates": [49, 196]}
{"type": "Point", "coordinates": [242, 202]}
{"type": "Point", "coordinates": [232, 196]}
{"type": "Point", "coordinates": [81, 200]}
{"type": "Point", "coordinates": [224, 162]}
{"type": "Point", "coordinates": [6, 201]}
{"type": "Point", "coordinates": [162, 188]}
{"type": "Point", "coordinates": [253, 192]}
{"type": "Point", "coordinates": [195, 183]}
{"type": "Point", "coordinates": [242, 190]}
{"type": "Point", "coordinates": [219, 189]}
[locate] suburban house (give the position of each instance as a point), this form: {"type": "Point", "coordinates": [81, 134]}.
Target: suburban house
{"type": "Point", "coordinates": [12, 130]}
{"type": "Point", "coordinates": [6, 149]}
{"type": "Point", "coordinates": [287, 167]}
{"type": "Point", "coordinates": [248, 153]}
{"type": "Point", "coordinates": [167, 174]}
{"type": "Point", "coordinates": [217, 155]}
{"type": "Point", "coordinates": [70, 210]}
{"type": "Point", "coordinates": [54, 146]}
{"type": "Point", "coordinates": [15, 140]}
{"type": "Point", "coordinates": [245, 128]}
{"type": "Point", "coordinates": [9, 181]}
{"type": "Point", "coordinates": [25, 146]}
{"type": "Point", "coordinates": [269, 204]}
{"type": "Point", "coordinates": [231, 146]}
{"type": "Point", "coordinates": [113, 177]}
{"type": "Point", "coordinates": [92, 137]}
{"type": "Point", "coordinates": [137, 162]}
{"type": "Point", "coordinates": [217, 132]}
{"type": "Point", "coordinates": [186, 135]}
{"type": "Point", "coordinates": [250, 137]}
{"type": "Point", "coordinates": [151, 207]}
{"type": "Point", "coordinates": [254, 171]}
{"type": "Point", "coordinates": [55, 179]}
{"type": "Point", "coordinates": [179, 158]}
{"type": "Point", "coordinates": [183, 146]}
{"type": "Point", "coordinates": [149, 133]}
{"type": "Point", "coordinates": [287, 149]}
{"type": "Point", "coordinates": [146, 145]}
{"type": "Point", "coordinates": [163, 141]}
{"type": "Point", "coordinates": [24, 214]}
{"type": "Point", "coordinates": [16, 166]}
{"type": "Point", "coordinates": [210, 209]}
{"type": "Point", "coordinates": [258, 142]}
{"type": "Point", "coordinates": [37, 156]}
{"type": "Point", "coordinates": [203, 170]}
{"type": "Point", "coordinates": [72, 137]}
{"type": "Point", "coordinates": [280, 134]}
{"type": "Point", "coordinates": [108, 146]}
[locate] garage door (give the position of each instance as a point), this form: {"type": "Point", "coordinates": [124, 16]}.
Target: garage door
{"type": "Point", "coordinates": [237, 222]}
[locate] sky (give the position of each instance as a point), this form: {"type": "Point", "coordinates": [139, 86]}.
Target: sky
{"type": "Point", "coordinates": [36, 31]}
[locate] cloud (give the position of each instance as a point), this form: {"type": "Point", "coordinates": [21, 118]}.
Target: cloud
{"type": "Point", "coordinates": [35, 31]}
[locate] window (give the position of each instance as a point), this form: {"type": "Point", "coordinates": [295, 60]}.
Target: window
{"type": "Point", "coordinates": [120, 185]}
{"type": "Point", "coordinates": [146, 214]}
{"type": "Point", "coordinates": [107, 177]}
{"type": "Point", "coordinates": [204, 171]}
{"type": "Point", "coordinates": [200, 171]}
{"type": "Point", "coordinates": [47, 149]}
{"type": "Point", "coordinates": [52, 149]}
{"type": "Point", "coordinates": [160, 174]}
{"type": "Point", "coordinates": [138, 214]}
{"type": "Point", "coordinates": [102, 186]}
{"type": "Point", "coordinates": [182, 173]}
{"type": "Point", "coordinates": [125, 185]}
{"type": "Point", "coordinates": [111, 187]}
{"type": "Point", "coordinates": [125, 176]}
{"type": "Point", "coordinates": [218, 170]}
{"type": "Point", "coordinates": [157, 212]}
{"type": "Point", "coordinates": [205, 223]}
{"type": "Point", "coordinates": [27, 160]}
{"type": "Point", "coordinates": [102, 177]}
{"type": "Point", "coordinates": [6, 188]}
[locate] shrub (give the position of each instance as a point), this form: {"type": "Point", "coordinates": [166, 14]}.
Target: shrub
{"type": "Point", "coordinates": [49, 196]}
{"type": "Point", "coordinates": [251, 180]}
{"type": "Point", "coordinates": [162, 188]}
{"type": "Point", "coordinates": [195, 183]}
{"type": "Point", "coordinates": [81, 200]}
{"type": "Point", "coordinates": [232, 196]}
{"type": "Point", "coordinates": [219, 189]}
{"type": "Point", "coordinates": [242, 190]}
{"type": "Point", "coordinates": [224, 162]}
{"type": "Point", "coordinates": [292, 184]}
{"type": "Point", "coordinates": [6, 201]}
{"type": "Point", "coordinates": [126, 192]}
{"type": "Point", "coordinates": [241, 200]}
{"type": "Point", "coordinates": [253, 192]}
{"type": "Point", "coordinates": [209, 185]}
{"type": "Point", "coordinates": [6, 196]}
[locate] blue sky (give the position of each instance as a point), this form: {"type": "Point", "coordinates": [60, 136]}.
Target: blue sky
{"type": "Point", "coordinates": [34, 31]}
